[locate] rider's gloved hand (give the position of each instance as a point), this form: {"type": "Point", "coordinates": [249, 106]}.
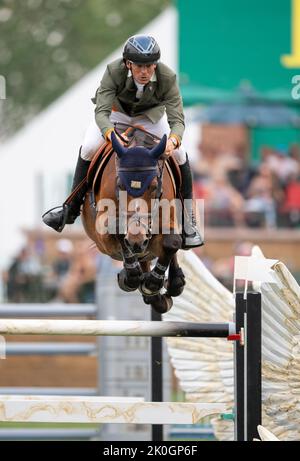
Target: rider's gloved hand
{"type": "Point", "coordinates": [172, 144]}
{"type": "Point", "coordinates": [108, 134]}
{"type": "Point", "coordinates": [125, 138]}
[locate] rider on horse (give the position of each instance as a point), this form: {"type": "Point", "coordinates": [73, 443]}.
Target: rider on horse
{"type": "Point", "coordinates": [135, 90]}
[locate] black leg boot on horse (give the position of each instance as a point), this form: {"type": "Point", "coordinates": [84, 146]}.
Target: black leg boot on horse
{"type": "Point", "coordinates": [70, 210]}
{"type": "Point", "coordinates": [191, 237]}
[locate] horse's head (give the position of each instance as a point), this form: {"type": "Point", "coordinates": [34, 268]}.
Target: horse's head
{"type": "Point", "coordinates": [138, 176]}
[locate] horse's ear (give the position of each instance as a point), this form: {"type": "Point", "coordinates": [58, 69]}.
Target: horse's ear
{"type": "Point", "coordinates": [159, 149]}
{"type": "Point", "coordinates": [117, 146]}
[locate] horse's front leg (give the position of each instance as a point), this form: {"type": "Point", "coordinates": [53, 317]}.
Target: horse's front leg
{"type": "Point", "coordinates": [129, 279]}
{"type": "Point", "coordinates": [154, 280]}
{"type": "Point", "coordinates": [176, 279]}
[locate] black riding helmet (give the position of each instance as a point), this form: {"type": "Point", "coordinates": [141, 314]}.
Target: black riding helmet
{"type": "Point", "coordinates": [141, 49]}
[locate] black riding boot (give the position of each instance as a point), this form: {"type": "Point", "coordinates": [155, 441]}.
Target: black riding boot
{"type": "Point", "coordinates": [70, 211]}
{"type": "Point", "coordinates": [190, 234]}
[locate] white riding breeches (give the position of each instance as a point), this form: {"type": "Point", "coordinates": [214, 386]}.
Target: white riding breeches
{"type": "Point", "coordinates": [93, 138]}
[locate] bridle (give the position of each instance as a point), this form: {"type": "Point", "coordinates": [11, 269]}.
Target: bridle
{"type": "Point", "coordinates": [143, 219]}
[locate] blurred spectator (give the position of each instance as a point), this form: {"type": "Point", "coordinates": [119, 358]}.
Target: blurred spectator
{"type": "Point", "coordinates": [223, 203]}
{"type": "Point", "coordinates": [23, 278]}
{"type": "Point", "coordinates": [294, 152]}
{"type": "Point", "coordinates": [55, 274]}
{"type": "Point", "coordinates": [291, 205]}
{"type": "Point", "coordinates": [240, 174]}
{"type": "Point", "coordinates": [62, 263]}
{"type": "Point", "coordinates": [263, 194]}
{"type": "Point", "coordinates": [78, 285]}
{"type": "Point", "coordinates": [282, 164]}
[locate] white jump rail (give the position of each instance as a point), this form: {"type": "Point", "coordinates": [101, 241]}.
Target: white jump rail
{"type": "Point", "coordinates": [56, 409]}
{"type": "Point", "coordinates": [113, 328]}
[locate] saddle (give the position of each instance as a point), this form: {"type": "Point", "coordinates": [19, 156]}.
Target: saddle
{"type": "Point", "coordinates": [98, 164]}
{"type": "Point", "coordinates": [103, 155]}
{"type": "Point", "coordinates": [100, 159]}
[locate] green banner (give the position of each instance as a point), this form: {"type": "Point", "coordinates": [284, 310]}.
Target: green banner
{"type": "Point", "coordinates": [226, 45]}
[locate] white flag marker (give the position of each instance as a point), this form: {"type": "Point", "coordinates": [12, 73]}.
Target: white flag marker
{"type": "Point", "coordinates": [253, 269]}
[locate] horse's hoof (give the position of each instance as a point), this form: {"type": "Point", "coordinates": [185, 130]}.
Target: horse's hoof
{"type": "Point", "coordinates": [128, 284]}
{"type": "Point", "coordinates": [160, 303]}
{"type": "Point", "coordinates": [151, 286]}
{"type": "Point", "coordinates": [163, 304]}
{"type": "Point", "coordinates": [148, 292]}
{"type": "Point", "coordinates": [176, 282]}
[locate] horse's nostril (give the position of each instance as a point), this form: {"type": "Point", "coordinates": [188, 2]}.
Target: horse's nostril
{"type": "Point", "coordinates": [145, 244]}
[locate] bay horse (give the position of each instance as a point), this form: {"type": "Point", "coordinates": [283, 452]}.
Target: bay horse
{"type": "Point", "coordinates": [137, 177]}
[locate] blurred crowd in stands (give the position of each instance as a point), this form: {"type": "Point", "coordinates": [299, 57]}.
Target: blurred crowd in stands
{"type": "Point", "coordinates": [238, 194]}
{"type": "Point", "coordinates": [69, 277]}
{"type": "Point", "coordinates": [235, 194]}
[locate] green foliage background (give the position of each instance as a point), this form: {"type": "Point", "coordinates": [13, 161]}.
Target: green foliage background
{"type": "Point", "coordinates": [48, 45]}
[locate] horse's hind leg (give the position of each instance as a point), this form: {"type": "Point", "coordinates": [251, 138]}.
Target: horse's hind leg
{"type": "Point", "coordinates": [176, 279]}
{"type": "Point", "coordinates": [154, 280]}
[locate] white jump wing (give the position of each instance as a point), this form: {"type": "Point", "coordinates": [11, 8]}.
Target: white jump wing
{"type": "Point", "coordinates": [281, 355]}
{"type": "Point", "coordinates": [204, 366]}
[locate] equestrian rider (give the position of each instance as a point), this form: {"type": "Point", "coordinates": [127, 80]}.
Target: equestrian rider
{"type": "Point", "coordinates": [137, 89]}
